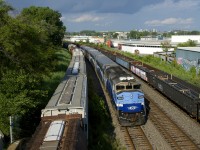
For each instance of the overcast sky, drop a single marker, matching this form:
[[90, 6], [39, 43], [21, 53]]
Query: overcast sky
[[122, 15]]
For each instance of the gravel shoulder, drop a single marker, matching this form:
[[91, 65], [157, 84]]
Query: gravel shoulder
[[187, 124]]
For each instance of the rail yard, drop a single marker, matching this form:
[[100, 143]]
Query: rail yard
[[167, 126]]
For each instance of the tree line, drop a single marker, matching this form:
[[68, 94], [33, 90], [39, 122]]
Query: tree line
[[28, 44], [134, 34]]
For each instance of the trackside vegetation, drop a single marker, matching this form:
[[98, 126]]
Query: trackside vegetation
[[101, 130], [32, 65]]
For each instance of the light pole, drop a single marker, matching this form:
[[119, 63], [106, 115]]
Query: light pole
[[11, 126]]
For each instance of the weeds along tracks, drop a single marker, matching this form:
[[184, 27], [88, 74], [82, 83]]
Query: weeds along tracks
[[175, 137]]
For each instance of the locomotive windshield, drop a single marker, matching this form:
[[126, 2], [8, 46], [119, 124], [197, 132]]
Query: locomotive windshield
[[129, 87], [121, 87]]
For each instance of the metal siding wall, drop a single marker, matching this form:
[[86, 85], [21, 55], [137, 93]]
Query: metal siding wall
[[188, 59], [122, 62]]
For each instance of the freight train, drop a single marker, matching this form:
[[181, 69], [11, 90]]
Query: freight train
[[124, 90], [183, 94], [64, 120]]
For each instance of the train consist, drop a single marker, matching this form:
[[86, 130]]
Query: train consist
[[64, 120], [180, 92], [123, 89]]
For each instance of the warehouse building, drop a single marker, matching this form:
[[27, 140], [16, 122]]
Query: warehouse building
[[185, 38], [144, 47], [188, 57]]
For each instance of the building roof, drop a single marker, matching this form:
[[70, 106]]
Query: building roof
[[143, 42], [73, 136], [70, 95], [194, 49]]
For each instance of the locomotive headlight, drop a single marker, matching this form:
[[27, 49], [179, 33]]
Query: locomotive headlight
[[140, 96], [131, 95], [142, 103]]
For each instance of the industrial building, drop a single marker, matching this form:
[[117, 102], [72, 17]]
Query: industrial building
[[91, 39], [188, 57], [185, 38], [146, 47], [149, 45]]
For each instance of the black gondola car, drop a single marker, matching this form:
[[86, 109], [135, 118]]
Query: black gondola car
[[186, 98]]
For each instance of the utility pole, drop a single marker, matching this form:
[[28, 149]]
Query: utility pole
[[197, 66], [11, 126]]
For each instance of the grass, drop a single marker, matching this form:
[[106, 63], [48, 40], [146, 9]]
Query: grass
[[51, 82], [101, 130]]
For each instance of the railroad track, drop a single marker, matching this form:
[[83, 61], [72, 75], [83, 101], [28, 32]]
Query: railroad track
[[127, 138], [174, 136], [135, 138]]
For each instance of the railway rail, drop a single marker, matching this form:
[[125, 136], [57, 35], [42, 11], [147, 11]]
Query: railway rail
[[139, 138], [175, 137], [127, 138], [136, 138]]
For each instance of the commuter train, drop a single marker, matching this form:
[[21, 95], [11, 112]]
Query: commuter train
[[64, 120], [122, 87], [183, 94]]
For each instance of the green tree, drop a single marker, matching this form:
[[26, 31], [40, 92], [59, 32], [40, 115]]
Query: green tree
[[47, 20], [19, 94], [189, 43], [138, 34], [24, 46], [115, 35], [166, 46], [4, 9], [4, 18], [27, 55], [133, 34]]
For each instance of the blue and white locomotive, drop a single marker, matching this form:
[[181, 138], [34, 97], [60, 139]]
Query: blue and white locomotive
[[123, 88]]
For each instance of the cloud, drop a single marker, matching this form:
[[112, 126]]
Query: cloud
[[170, 21], [109, 6], [63, 18], [106, 24], [87, 18], [186, 4], [176, 5], [124, 14], [82, 6]]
